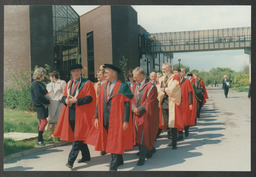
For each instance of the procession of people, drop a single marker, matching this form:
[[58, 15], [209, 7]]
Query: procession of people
[[114, 116]]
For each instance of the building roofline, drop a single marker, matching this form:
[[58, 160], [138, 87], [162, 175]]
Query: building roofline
[[92, 10]]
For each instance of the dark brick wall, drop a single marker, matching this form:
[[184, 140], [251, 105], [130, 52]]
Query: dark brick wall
[[125, 35], [41, 36]]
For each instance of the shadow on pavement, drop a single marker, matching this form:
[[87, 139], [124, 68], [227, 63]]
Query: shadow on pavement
[[18, 168], [32, 156]]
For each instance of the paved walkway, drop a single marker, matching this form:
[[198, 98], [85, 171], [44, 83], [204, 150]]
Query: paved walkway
[[17, 136], [221, 141]]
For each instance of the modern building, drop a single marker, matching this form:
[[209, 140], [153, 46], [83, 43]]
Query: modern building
[[39, 35], [109, 33], [57, 36]]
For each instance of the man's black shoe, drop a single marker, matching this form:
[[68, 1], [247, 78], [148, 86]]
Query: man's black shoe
[[103, 153], [180, 137], [186, 133], [141, 162], [174, 146], [69, 165], [138, 153], [84, 159]]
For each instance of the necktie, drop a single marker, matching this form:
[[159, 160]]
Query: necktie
[[74, 88], [165, 79], [108, 89]]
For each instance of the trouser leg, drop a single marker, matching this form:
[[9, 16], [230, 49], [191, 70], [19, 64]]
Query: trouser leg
[[85, 151], [174, 138], [143, 152], [76, 146], [115, 158], [186, 131]]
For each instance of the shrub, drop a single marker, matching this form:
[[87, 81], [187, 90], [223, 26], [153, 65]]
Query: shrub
[[241, 79], [19, 96]]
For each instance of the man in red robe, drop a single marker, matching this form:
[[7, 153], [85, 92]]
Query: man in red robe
[[76, 117], [187, 102], [200, 94], [192, 81], [205, 91], [112, 130], [145, 115], [169, 96]]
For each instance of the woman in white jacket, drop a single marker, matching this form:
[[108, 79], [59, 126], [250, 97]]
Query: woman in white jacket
[[56, 89]]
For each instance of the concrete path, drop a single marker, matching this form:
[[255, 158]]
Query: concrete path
[[17, 136], [219, 142]]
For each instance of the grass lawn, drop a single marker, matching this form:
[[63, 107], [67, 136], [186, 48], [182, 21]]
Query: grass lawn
[[25, 122]]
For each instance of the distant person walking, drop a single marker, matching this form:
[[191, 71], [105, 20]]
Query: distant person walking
[[226, 85], [38, 93], [56, 89], [249, 93], [215, 83]]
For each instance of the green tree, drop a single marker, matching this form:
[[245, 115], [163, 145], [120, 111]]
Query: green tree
[[123, 65], [194, 71], [182, 66], [246, 70]]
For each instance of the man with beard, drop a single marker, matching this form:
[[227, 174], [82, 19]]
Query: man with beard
[[169, 96]]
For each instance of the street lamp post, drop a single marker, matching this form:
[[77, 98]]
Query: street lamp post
[[179, 62]]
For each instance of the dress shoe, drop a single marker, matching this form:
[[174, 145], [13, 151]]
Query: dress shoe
[[103, 153], [169, 144], [84, 159], [180, 137], [186, 133], [138, 153], [141, 162], [69, 165], [150, 153], [174, 146]]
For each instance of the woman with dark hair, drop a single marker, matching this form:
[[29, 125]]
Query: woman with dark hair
[[39, 99], [56, 88], [131, 81]]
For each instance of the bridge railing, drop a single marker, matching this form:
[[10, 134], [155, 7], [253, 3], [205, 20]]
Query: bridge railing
[[216, 39]]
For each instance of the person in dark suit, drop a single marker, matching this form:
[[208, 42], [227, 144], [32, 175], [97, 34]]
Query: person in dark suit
[[249, 93], [226, 85], [76, 117]]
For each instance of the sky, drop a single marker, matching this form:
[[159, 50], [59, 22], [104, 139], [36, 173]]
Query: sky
[[169, 18]]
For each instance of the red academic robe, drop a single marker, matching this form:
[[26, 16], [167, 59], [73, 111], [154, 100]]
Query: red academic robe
[[84, 115], [145, 126], [193, 114], [205, 92], [186, 87], [116, 140]]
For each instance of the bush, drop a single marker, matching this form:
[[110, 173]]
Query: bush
[[241, 80], [19, 96]]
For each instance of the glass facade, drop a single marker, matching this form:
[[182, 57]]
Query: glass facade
[[90, 56], [66, 39]]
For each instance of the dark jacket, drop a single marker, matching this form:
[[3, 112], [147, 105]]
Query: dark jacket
[[38, 91]]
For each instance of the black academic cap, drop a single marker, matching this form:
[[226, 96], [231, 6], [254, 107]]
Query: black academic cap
[[112, 67], [75, 66]]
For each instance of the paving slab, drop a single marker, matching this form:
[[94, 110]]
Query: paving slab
[[17, 136]]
